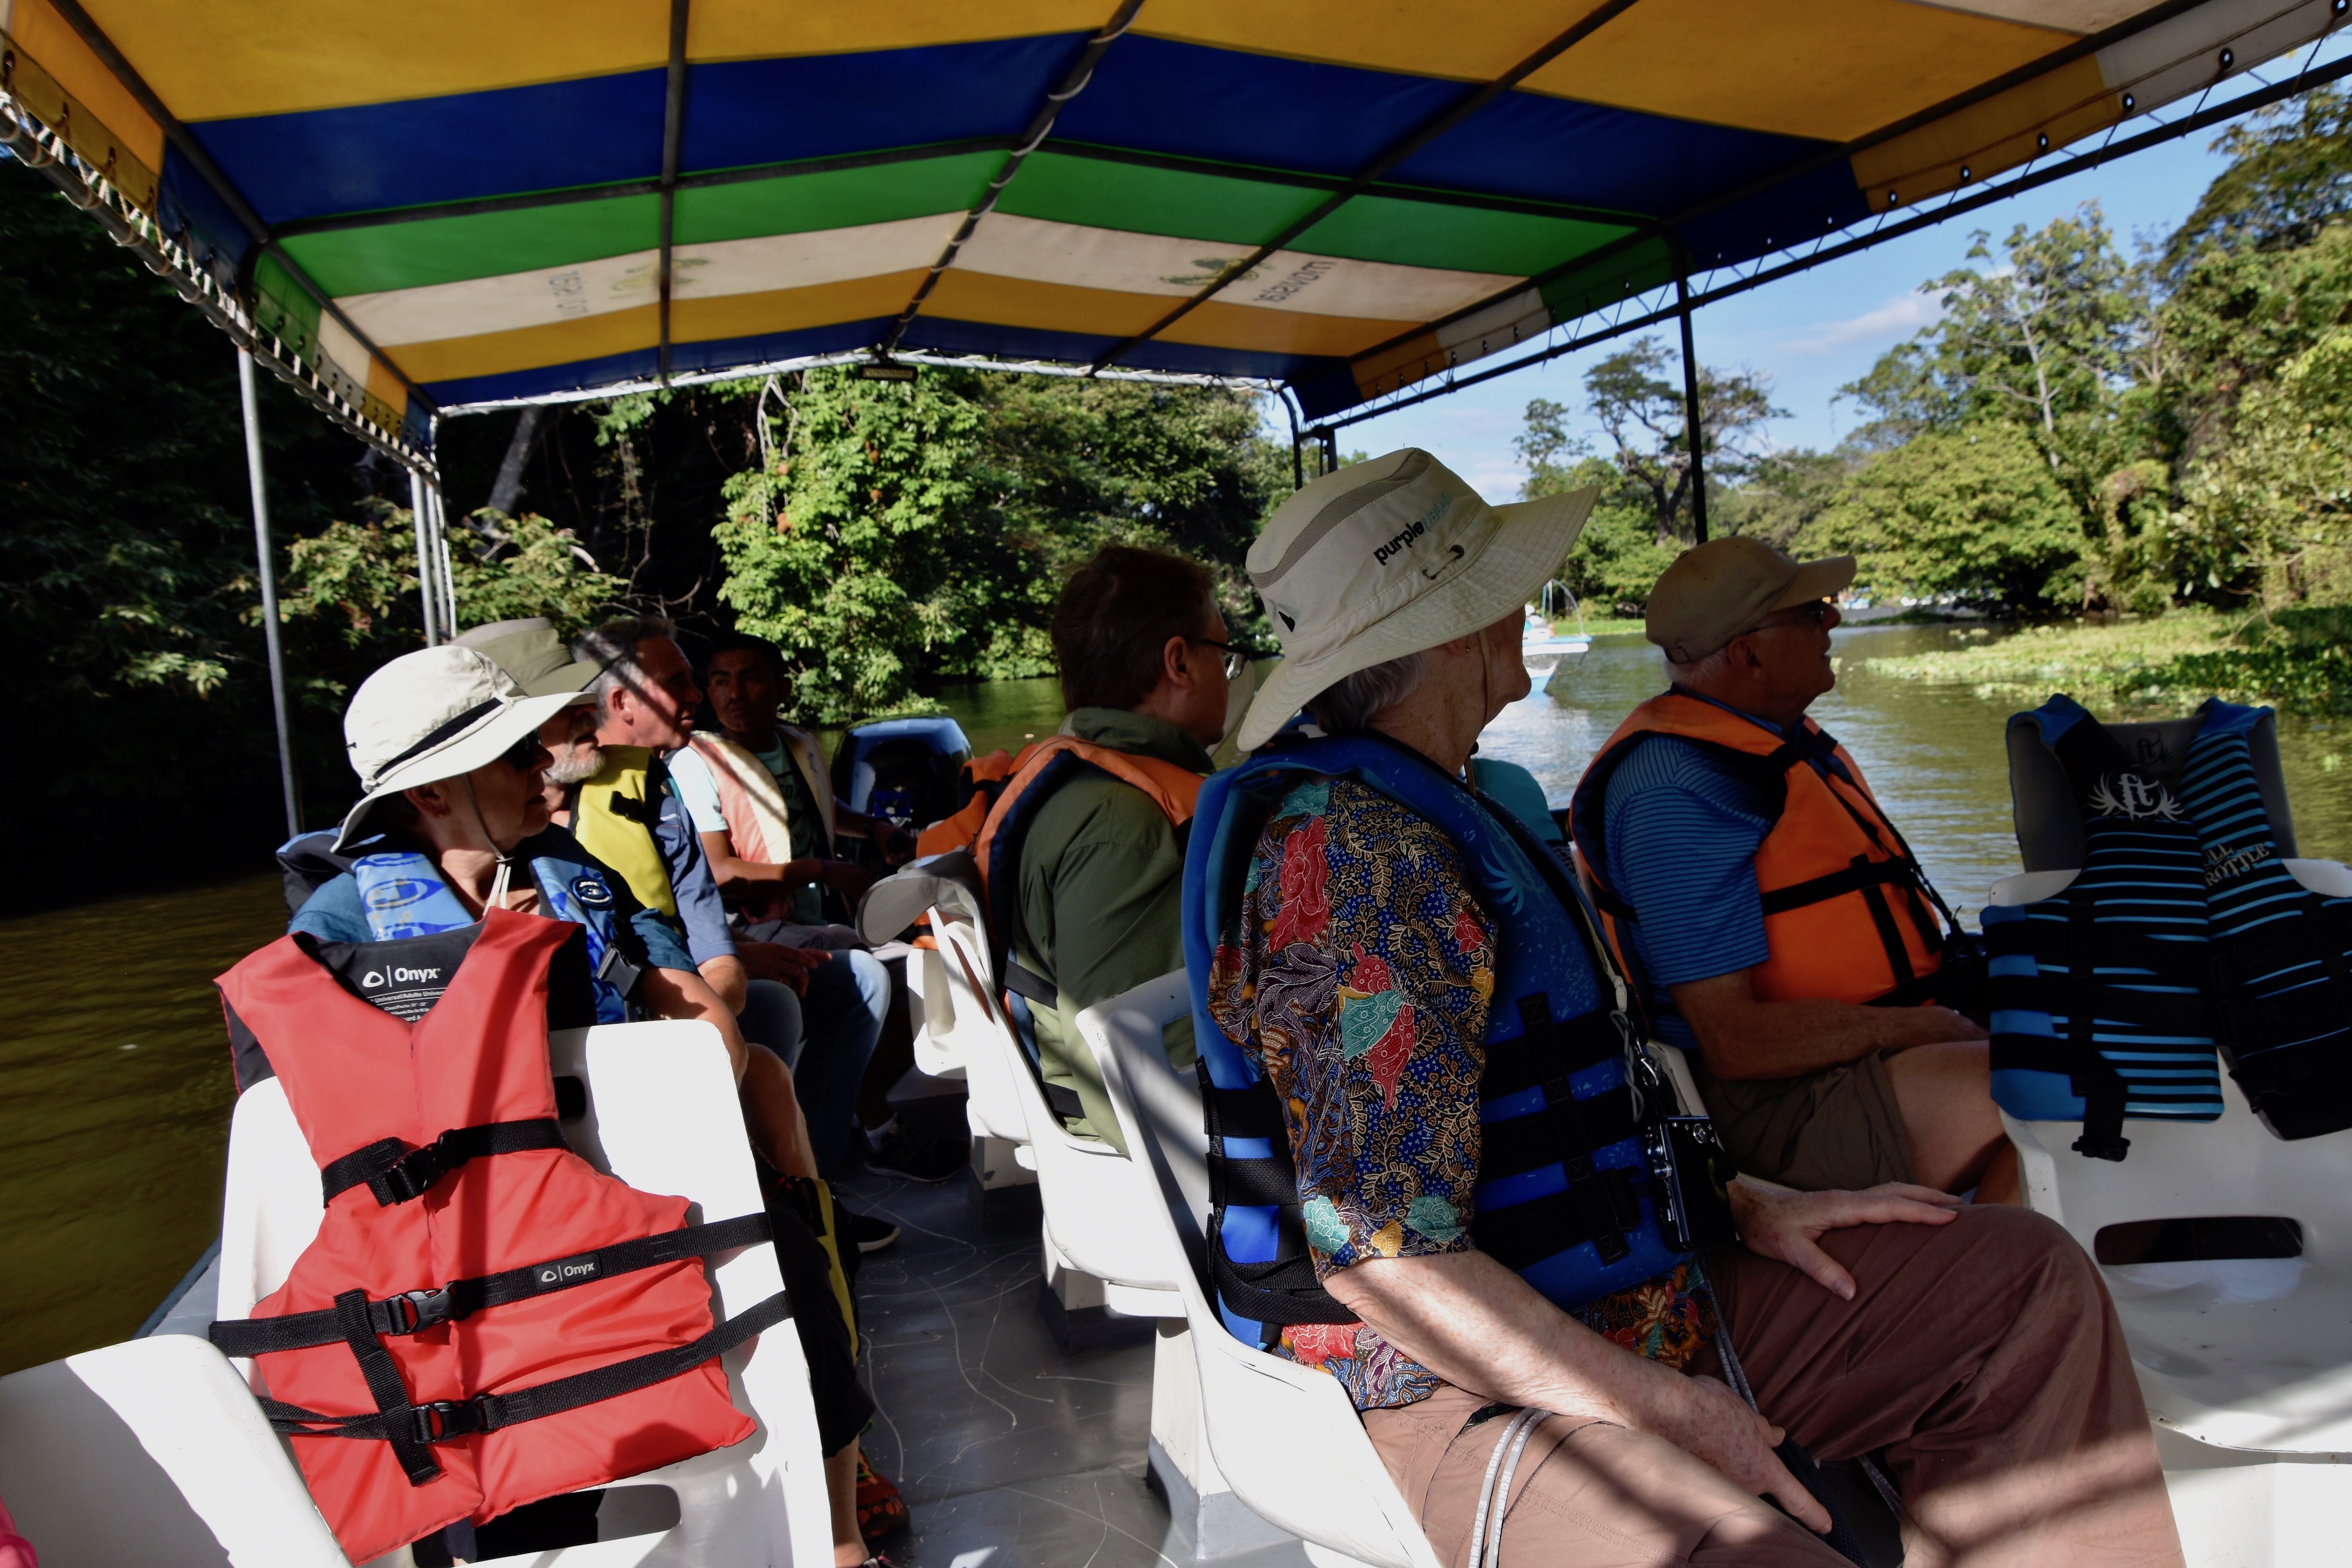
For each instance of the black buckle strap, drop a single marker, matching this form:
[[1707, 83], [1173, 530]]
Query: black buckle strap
[[2094, 1077], [1024, 981], [1599, 1207], [413, 1312], [412, 1428], [1544, 1050], [1861, 871], [396, 1172]]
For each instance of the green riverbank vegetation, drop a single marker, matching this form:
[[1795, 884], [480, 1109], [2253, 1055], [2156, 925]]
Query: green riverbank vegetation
[[2163, 437], [2295, 658]]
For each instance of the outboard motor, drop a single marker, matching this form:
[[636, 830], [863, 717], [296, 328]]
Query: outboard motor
[[904, 769]]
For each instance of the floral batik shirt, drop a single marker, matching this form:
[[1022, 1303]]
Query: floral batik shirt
[[1357, 972]]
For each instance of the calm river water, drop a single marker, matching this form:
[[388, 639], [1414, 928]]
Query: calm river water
[[114, 1083]]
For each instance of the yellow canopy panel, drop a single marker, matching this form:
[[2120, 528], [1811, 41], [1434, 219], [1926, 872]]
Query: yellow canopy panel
[[444, 203]]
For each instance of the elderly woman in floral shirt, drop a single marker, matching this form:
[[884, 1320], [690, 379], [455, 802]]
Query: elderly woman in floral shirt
[[1973, 1349]]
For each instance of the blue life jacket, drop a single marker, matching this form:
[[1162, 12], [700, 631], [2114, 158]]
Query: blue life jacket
[[2280, 949], [1565, 1195], [2182, 931], [405, 895]]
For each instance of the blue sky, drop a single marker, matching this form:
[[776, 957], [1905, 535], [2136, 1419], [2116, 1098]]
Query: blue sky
[[1808, 334]]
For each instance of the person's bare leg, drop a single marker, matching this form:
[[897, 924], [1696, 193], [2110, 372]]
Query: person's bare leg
[[1945, 1093], [841, 1492], [772, 1113]]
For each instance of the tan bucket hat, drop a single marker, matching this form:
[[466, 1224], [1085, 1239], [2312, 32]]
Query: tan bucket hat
[[436, 714], [1389, 557], [1716, 591]]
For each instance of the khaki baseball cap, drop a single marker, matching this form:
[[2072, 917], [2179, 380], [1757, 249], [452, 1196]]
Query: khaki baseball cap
[[530, 651], [1386, 557], [1720, 589]]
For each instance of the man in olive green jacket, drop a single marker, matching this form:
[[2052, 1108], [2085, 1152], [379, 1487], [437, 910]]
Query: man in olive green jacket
[[1143, 657]]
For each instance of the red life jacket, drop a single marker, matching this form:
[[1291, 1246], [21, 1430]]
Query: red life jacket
[[483, 1320]]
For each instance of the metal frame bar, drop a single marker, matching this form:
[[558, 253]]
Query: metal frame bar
[[861, 356], [1694, 416], [1413, 141], [265, 557], [40, 148], [1074, 82], [201, 161], [1766, 271], [673, 133]]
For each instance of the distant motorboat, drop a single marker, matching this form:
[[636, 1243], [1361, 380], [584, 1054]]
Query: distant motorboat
[[1544, 647]]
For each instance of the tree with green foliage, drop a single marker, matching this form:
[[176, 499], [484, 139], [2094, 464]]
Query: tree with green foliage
[[1973, 510], [2279, 495], [1644, 415], [2039, 336], [2290, 176], [903, 533]]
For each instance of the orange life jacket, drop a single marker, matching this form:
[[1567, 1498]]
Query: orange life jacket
[[1044, 768], [980, 785], [483, 1319], [1845, 904]]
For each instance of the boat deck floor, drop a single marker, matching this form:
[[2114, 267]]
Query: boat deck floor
[[1011, 1448]]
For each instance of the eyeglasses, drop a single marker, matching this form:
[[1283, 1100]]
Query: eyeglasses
[[1813, 615], [1237, 654]]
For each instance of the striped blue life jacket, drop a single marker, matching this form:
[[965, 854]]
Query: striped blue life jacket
[[2183, 932], [404, 895], [1565, 1194], [2280, 950]]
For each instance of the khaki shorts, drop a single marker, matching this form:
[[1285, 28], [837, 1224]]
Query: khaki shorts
[[1836, 1128]]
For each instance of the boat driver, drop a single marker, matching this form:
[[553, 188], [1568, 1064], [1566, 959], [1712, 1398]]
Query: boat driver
[[1974, 1349], [1786, 939]]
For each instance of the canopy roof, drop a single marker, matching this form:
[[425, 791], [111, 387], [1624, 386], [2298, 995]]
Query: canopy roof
[[439, 204]]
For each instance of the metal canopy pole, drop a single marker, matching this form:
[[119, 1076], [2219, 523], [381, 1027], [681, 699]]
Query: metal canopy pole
[[1693, 424], [420, 512], [268, 588]]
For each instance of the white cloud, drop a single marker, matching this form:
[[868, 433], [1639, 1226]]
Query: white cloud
[[1899, 316]]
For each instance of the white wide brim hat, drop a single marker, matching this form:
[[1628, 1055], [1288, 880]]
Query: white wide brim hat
[[1392, 556], [438, 713]]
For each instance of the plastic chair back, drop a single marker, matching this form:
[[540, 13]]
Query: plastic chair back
[[656, 1094], [2042, 798], [1286, 1437], [976, 1029], [1089, 1190], [152, 1453]]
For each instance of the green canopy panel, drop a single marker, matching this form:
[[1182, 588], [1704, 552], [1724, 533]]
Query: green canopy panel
[[442, 204]]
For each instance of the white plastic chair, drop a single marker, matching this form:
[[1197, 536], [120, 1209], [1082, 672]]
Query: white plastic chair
[[661, 1104], [1091, 1192], [2246, 1362], [152, 1453], [1285, 1437], [966, 1023]]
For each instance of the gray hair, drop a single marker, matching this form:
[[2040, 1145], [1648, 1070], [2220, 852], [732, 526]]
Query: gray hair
[[612, 649], [1349, 706], [1701, 672]]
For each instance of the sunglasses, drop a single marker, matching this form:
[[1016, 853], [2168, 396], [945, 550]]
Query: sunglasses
[[1237, 654], [523, 755], [1813, 615]]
